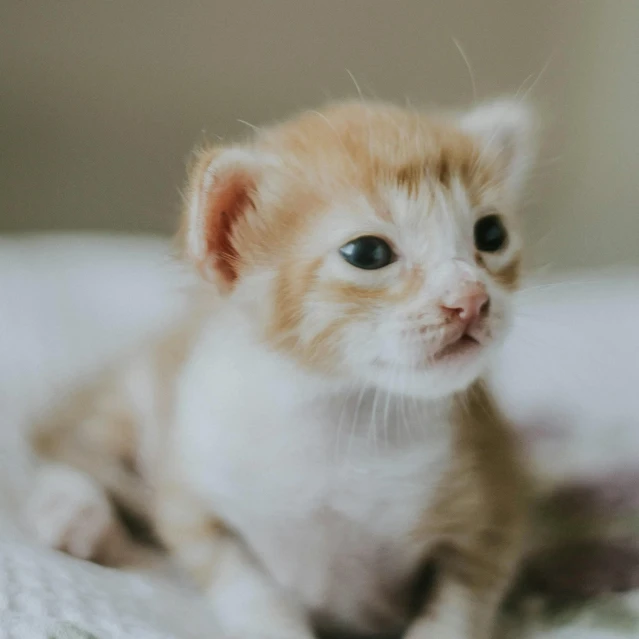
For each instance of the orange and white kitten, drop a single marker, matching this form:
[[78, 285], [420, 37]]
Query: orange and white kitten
[[317, 444]]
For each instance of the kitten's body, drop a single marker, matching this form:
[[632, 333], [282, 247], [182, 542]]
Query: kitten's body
[[305, 454], [345, 501], [317, 495]]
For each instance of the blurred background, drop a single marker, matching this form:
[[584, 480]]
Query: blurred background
[[101, 101]]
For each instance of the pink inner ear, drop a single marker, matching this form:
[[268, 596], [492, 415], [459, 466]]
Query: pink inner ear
[[225, 203]]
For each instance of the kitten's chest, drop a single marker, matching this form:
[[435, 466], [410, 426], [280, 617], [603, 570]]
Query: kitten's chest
[[330, 507], [349, 550]]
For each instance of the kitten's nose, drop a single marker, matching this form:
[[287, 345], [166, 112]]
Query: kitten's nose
[[468, 303]]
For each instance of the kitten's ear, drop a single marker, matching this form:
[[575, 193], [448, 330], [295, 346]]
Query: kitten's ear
[[223, 189], [506, 130]]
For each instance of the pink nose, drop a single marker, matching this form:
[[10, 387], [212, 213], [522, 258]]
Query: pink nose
[[468, 304]]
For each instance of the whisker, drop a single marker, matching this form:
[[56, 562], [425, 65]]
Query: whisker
[[340, 424], [253, 127], [373, 421], [368, 113], [338, 136], [468, 67], [386, 410], [561, 284], [554, 348], [518, 99], [539, 76], [406, 419], [354, 422], [357, 87]]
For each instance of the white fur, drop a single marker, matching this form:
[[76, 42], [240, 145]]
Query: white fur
[[67, 510], [435, 237], [507, 130], [241, 586], [431, 233], [302, 469]]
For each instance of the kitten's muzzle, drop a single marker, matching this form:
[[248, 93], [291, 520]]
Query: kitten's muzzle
[[465, 322], [469, 304]]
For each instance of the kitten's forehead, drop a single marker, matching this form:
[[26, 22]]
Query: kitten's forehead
[[365, 145], [402, 174], [432, 221]]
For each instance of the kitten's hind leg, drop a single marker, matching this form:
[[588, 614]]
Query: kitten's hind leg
[[246, 600], [69, 511]]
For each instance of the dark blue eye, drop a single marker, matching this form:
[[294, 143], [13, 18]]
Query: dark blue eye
[[490, 234], [368, 252]]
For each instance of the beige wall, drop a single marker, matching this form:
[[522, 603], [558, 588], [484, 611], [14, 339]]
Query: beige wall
[[101, 101]]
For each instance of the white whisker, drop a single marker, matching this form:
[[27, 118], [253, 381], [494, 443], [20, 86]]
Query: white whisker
[[255, 128], [354, 422], [343, 414], [468, 67], [373, 421], [389, 394], [357, 87]]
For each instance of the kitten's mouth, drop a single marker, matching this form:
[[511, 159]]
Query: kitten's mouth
[[460, 347], [457, 349]]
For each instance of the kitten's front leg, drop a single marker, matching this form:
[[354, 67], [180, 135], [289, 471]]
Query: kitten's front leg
[[246, 601], [468, 590], [457, 612]]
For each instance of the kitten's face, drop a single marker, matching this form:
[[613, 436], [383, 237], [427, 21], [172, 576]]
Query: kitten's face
[[374, 245]]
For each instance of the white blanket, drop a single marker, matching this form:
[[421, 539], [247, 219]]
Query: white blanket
[[68, 304]]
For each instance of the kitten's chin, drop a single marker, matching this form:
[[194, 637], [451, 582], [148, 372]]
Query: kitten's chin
[[451, 371]]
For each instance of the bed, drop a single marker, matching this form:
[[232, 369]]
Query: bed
[[70, 303]]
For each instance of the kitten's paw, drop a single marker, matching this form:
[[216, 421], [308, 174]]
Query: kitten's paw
[[68, 511]]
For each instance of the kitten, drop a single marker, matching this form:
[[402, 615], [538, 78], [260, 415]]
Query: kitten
[[317, 446]]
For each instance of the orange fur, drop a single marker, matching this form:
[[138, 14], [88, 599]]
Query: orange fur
[[325, 157], [508, 276]]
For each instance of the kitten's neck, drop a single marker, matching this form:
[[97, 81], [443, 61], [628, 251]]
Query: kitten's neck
[[232, 330]]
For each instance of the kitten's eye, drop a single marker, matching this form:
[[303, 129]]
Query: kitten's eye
[[368, 252], [490, 234]]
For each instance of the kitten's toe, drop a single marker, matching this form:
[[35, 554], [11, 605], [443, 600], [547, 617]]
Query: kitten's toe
[[68, 511]]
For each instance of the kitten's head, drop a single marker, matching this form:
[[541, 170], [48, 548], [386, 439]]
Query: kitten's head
[[370, 243]]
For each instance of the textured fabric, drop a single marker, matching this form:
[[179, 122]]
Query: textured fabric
[[69, 304], [42, 592], [45, 593]]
